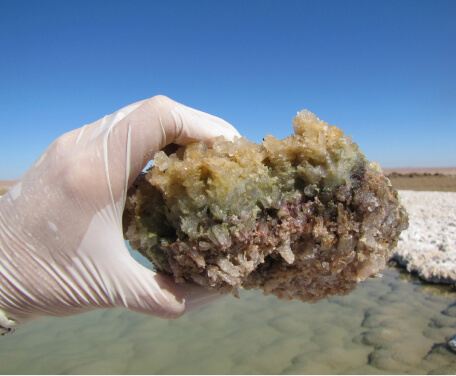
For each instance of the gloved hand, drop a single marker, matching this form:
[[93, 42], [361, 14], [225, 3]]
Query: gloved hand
[[61, 246]]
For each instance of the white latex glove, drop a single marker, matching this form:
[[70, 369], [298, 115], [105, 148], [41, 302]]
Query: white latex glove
[[61, 246]]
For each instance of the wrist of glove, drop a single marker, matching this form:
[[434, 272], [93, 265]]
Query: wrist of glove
[[61, 246]]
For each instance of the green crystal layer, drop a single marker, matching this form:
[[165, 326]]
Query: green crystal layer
[[304, 217]]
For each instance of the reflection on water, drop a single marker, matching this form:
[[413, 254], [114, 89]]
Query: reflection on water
[[448, 290], [385, 326]]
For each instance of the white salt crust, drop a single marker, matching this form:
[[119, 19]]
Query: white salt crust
[[428, 247]]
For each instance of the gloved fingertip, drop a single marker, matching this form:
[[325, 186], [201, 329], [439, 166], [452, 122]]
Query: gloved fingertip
[[197, 297], [142, 290], [157, 294]]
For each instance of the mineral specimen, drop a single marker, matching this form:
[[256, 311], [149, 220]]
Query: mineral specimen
[[305, 217]]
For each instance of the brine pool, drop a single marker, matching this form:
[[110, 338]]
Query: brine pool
[[388, 325]]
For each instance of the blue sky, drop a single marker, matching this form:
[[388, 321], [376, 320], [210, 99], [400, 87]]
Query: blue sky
[[383, 71]]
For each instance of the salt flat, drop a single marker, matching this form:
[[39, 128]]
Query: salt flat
[[428, 247]]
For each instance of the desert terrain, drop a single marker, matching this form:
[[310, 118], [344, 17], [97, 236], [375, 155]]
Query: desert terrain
[[420, 179]]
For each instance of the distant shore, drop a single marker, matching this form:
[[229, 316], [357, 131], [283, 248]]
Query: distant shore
[[430, 182], [421, 170], [7, 183]]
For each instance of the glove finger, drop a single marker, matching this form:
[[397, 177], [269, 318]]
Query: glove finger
[[118, 147], [159, 121], [197, 297], [142, 290]]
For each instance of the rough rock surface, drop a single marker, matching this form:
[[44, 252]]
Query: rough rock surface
[[305, 217], [428, 247]]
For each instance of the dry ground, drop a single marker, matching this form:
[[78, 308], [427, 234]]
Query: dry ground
[[441, 179], [423, 182]]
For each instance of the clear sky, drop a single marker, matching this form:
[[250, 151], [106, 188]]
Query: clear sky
[[383, 71]]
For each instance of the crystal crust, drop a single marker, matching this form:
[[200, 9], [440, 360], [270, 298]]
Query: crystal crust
[[305, 217]]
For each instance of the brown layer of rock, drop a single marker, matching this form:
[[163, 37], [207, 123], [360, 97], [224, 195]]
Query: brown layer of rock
[[306, 217]]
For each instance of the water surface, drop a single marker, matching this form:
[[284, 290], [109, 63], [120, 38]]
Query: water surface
[[387, 325]]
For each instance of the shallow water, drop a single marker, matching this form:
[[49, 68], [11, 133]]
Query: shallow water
[[388, 325]]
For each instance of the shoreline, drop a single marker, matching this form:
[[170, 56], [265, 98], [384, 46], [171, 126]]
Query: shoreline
[[420, 170]]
